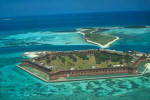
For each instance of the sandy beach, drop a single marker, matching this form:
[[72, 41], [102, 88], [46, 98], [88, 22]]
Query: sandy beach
[[34, 54], [102, 46], [31, 54]]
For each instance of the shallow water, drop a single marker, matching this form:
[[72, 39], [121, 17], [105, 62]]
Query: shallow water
[[42, 37], [131, 39], [15, 84]]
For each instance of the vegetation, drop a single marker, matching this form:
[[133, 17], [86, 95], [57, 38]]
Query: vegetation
[[80, 61], [83, 56], [102, 57], [100, 38], [91, 34]]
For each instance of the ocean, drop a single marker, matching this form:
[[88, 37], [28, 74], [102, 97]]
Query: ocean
[[75, 20], [57, 33]]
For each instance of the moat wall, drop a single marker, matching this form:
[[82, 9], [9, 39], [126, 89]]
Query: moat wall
[[73, 73], [100, 71], [132, 69]]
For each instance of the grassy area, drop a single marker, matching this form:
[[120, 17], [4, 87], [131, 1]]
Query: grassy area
[[80, 61], [37, 72], [102, 39]]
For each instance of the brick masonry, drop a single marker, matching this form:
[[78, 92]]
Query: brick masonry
[[101, 71]]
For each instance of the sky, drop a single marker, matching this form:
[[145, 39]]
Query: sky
[[11, 8]]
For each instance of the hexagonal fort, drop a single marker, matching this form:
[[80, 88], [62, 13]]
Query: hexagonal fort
[[50, 65]]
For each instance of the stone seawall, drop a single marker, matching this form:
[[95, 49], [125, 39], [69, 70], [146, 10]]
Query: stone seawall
[[100, 71], [131, 69], [73, 73]]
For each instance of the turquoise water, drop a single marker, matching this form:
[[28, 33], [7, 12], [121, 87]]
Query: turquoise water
[[131, 39], [15, 84], [42, 37]]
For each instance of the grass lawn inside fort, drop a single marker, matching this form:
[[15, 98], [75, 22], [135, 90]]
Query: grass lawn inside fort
[[80, 61]]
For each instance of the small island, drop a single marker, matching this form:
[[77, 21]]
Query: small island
[[54, 66], [102, 40]]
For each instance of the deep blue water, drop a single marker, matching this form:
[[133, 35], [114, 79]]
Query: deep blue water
[[76, 20], [18, 35]]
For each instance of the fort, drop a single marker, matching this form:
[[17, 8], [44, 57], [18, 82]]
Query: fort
[[52, 66]]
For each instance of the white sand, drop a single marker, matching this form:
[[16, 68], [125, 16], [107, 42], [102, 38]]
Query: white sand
[[31, 54], [102, 46]]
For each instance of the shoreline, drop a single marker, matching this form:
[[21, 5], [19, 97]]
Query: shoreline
[[33, 54], [31, 73], [71, 80], [102, 46]]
